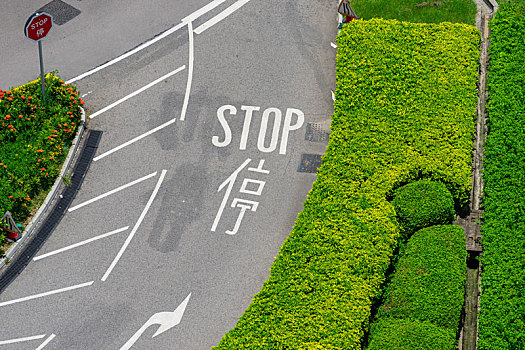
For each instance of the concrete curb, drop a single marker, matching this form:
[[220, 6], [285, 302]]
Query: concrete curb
[[30, 228]]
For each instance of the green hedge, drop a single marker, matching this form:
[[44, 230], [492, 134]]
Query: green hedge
[[399, 334], [429, 281], [422, 204], [33, 140], [502, 313], [405, 109]]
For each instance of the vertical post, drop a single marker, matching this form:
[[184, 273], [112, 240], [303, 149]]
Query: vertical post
[[42, 71]]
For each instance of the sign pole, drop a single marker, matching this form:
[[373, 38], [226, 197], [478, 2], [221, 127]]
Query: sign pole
[[42, 71], [36, 28]]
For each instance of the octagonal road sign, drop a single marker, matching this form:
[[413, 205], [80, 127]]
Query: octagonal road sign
[[38, 25]]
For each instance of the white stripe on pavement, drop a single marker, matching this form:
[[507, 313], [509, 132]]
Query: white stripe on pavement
[[19, 300], [135, 228], [168, 32], [135, 93], [19, 340], [46, 342], [221, 16], [80, 243], [112, 192]]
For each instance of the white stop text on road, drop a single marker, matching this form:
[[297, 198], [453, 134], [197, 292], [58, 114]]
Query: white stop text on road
[[293, 120]]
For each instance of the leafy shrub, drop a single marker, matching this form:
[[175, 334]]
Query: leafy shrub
[[33, 140], [422, 204], [429, 282], [502, 304], [400, 334], [405, 108]]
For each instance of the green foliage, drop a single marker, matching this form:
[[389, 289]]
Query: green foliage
[[406, 101], [33, 140], [502, 314], [456, 11], [399, 334], [429, 282], [422, 204]]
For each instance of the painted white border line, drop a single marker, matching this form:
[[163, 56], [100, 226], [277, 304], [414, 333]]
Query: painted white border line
[[51, 337], [135, 93], [112, 192], [135, 228], [162, 126], [168, 32], [221, 16], [20, 340], [80, 243], [190, 71], [19, 300]]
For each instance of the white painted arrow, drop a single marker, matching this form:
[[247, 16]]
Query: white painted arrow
[[166, 320]]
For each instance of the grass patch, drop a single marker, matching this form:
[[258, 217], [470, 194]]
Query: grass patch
[[418, 11]]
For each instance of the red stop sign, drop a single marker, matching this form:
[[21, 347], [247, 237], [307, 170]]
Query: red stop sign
[[38, 25]]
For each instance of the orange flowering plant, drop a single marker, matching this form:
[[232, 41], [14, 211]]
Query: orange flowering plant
[[34, 138]]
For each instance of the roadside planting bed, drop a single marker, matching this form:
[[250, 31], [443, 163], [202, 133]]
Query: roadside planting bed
[[33, 141], [502, 304], [405, 109], [455, 11]]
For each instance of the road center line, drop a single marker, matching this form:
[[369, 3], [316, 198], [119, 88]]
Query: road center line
[[168, 32], [46, 294], [135, 93], [112, 192], [136, 227], [162, 126], [80, 243], [19, 340], [214, 20], [46, 342]]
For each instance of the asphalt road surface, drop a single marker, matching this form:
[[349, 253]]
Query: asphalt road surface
[[211, 135]]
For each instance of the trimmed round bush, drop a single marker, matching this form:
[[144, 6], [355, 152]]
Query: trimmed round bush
[[422, 204], [395, 334], [429, 281]]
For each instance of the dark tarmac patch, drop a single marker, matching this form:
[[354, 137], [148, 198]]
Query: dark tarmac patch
[[61, 12]]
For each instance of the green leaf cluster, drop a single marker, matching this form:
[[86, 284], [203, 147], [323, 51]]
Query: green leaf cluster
[[422, 204], [428, 285], [405, 109], [33, 140], [405, 334], [502, 304]]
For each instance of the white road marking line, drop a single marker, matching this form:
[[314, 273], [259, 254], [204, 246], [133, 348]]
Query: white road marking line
[[221, 16], [46, 342], [135, 93], [333, 45], [190, 71], [80, 243], [135, 228], [168, 32], [333, 95], [162, 126], [46, 294], [19, 340], [127, 54], [112, 192], [202, 11]]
